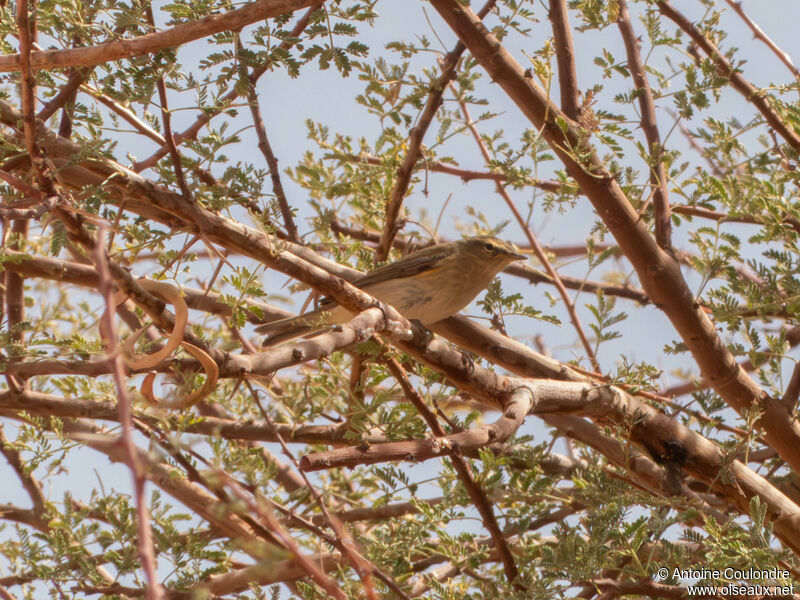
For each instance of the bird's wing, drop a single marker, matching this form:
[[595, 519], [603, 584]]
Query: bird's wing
[[427, 259]]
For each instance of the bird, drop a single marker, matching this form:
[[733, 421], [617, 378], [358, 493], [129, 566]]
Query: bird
[[428, 285]]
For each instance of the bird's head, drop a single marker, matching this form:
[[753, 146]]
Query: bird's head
[[491, 251]]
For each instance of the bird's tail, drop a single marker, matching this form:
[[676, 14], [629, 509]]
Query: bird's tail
[[291, 327]]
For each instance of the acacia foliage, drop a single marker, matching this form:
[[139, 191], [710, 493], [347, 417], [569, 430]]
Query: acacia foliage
[[655, 161]]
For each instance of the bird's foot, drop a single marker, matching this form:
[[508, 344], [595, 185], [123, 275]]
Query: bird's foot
[[467, 358], [421, 334]]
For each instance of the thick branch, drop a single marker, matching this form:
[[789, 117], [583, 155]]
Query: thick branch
[[658, 271]]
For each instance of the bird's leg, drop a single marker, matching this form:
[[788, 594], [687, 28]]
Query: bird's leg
[[468, 359], [394, 327], [421, 333]]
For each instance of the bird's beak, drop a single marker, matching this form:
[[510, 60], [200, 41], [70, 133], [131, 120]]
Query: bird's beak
[[517, 256]]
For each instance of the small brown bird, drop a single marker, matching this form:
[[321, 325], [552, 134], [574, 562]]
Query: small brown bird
[[429, 285]]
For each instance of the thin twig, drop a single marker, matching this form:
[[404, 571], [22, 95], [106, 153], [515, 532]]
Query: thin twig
[[31, 484], [715, 215], [753, 95], [146, 548], [462, 467], [759, 34], [792, 392], [466, 175], [649, 123], [65, 94], [128, 115], [191, 132], [166, 120], [363, 567], [403, 177], [535, 246], [266, 149], [792, 339]]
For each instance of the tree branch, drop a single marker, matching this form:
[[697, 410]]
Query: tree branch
[[466, 175], [657, 270], [759, 34], [266, 150], [153, 42], [649, 123], [754, 96], [190, 133], [565, 57], [146, 548], [415, 137], [462, 467]]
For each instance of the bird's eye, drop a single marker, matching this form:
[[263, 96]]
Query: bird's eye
[[488, 246]]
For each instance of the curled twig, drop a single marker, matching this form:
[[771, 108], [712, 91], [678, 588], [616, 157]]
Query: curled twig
[[170, 293], [210, 384]]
